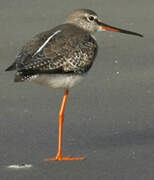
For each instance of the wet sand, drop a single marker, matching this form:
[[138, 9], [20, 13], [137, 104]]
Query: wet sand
[[110, 116]]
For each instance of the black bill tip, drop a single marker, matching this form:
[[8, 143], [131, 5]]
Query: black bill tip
[[107, 27]]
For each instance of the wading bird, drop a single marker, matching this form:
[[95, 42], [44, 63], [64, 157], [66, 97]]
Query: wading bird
[[60, 58]]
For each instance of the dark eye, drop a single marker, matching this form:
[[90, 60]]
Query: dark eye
[[91, 18]]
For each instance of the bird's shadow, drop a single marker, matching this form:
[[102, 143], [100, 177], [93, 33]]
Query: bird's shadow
[[124, 139]]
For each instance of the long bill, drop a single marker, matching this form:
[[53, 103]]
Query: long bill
[[106, 27]]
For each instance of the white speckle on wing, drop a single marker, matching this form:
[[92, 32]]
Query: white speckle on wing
[[22, 166], [31, 78], [46, 42]]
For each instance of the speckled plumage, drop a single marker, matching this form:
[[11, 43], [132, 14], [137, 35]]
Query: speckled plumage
[[70, 51]]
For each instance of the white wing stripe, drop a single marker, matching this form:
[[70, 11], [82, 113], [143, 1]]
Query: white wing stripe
[[46, 42]]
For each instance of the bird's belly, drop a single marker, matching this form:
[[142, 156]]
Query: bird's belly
[[58, 81]]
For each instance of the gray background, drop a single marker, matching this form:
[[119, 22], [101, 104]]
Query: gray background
[[109, 117]]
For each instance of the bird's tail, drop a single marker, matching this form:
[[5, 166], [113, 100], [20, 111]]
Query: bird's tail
[[12, 67]]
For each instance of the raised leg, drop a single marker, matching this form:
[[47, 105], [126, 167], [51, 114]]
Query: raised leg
[[59, 156]]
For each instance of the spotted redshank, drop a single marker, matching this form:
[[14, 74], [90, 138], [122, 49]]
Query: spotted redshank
[[60, 57]]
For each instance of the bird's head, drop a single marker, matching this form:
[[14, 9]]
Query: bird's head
[[89, 21]]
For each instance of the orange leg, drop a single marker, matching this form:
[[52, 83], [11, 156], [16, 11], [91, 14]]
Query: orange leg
[[59, 156]]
